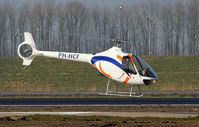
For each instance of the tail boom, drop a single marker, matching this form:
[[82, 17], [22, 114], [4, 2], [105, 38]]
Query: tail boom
[[66, 55], [27, 51]]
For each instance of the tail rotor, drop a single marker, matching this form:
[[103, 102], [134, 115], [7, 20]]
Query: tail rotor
[[26, 49]]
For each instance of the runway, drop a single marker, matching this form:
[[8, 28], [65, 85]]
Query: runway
[[97, 101]]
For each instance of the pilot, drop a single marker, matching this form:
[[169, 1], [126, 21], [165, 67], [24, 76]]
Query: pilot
[[144, 72]]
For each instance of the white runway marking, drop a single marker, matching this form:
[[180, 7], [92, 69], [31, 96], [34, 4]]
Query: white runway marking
[[43, 113]]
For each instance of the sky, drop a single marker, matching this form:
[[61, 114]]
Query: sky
[[100, 3]]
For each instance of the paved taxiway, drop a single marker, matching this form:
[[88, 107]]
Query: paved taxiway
[[99, 101]]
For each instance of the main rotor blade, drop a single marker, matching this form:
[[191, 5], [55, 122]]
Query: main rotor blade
[[95, 37], [78, 35]]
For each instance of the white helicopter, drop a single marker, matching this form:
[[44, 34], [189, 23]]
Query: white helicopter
[[112, 63]]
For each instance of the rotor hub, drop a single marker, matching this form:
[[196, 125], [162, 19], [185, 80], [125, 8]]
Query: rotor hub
[[26, 50]]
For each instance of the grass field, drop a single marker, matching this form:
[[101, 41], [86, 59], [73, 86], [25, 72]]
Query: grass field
[[44, 74], [96, 121]]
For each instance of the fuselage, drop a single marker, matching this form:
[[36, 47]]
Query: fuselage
[[110, 63]]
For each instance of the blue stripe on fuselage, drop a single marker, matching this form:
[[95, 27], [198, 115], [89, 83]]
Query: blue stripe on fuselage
[[108, 59]]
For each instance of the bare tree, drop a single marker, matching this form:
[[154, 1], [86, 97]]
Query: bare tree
[[61, 25], [134, 30], [193, 26], [3, 30], [37, 19], [106, 20], [75, 19], [97, 25], [147, 22], [12, 27], [153, 14], [124, 19], [167, 20], [171, 28], [143, 26], [179, 27], [49, 20]]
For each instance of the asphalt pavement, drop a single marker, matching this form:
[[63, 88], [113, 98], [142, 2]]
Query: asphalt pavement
[[97, 101]]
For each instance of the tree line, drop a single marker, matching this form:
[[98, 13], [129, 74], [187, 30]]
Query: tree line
[[150, 28]]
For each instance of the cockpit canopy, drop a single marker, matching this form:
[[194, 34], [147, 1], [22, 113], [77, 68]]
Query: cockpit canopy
[[143, 68], [136, 65]]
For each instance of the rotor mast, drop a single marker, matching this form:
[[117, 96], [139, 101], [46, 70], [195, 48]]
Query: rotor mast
[[117, 43]]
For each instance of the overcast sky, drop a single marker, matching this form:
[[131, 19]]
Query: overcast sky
[[101, 3]]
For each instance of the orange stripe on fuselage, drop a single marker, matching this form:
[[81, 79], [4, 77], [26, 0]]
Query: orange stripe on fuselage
[[126, 80], [103, 71], [95, 66], [131, 58], [121, 76], [119, 57]]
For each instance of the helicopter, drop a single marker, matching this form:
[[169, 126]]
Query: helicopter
[[113, 63]]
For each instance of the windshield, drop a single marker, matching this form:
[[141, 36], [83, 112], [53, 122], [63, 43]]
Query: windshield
[[143, 68]]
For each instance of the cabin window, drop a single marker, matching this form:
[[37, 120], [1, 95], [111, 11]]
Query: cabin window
[[127, 65]]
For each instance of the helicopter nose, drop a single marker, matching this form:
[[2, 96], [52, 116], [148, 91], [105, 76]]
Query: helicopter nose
[[150, 81]]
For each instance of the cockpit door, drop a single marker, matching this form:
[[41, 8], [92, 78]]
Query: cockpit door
[[128, 64]]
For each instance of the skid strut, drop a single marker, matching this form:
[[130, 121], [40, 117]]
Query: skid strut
[[116, 93], [131, 91], [107, 88]]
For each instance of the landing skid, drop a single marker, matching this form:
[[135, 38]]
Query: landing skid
[[127, 94], [121, 95]]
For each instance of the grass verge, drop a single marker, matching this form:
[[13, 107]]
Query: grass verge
[[45, 74]]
